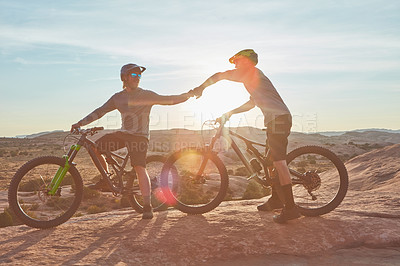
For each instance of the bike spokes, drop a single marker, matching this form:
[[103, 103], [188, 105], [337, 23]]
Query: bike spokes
[[319, 179], [201, 182], [31, 198]]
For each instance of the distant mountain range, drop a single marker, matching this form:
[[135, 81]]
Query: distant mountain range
[[324, 133], [31, 136], [338, 133]]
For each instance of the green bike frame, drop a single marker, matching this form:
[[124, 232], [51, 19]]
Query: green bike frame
[[62, 171]]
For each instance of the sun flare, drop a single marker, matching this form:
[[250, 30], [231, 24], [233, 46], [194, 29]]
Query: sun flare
[[221, 98]]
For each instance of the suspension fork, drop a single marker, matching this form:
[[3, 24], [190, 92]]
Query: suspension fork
[[204, 162], [63, 170], [208, 149]]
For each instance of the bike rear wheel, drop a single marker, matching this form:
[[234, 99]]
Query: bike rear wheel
[[324, 183], [29, 198], [194, 181], [154, 164]]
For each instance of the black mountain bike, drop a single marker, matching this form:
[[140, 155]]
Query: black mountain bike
[[47, 191], [200, 178]]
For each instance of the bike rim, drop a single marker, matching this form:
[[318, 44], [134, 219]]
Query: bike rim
[[322, 182], [197, 181], [33, 198]]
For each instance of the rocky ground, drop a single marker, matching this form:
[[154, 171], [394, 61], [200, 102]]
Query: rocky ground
[[363, 230], [233, 234]]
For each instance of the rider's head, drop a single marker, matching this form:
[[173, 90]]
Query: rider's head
[[244, 58], [130, 75]]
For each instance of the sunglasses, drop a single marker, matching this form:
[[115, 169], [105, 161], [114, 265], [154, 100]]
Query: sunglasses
[[134, 75], [236, 59]]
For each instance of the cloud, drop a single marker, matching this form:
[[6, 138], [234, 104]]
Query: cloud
[[170, 33], [21, 61]]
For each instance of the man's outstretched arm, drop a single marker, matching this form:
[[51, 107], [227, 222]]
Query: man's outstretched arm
[[170, 99], [210, 81]]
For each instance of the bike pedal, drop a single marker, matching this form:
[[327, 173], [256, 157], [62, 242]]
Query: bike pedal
[[252, 176]]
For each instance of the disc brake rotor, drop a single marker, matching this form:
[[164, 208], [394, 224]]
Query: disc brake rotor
[[43, 194], [312, 181]]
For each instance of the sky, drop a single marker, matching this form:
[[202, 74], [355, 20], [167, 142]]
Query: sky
[[336, 63]]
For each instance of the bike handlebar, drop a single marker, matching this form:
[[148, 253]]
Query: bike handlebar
[[90, 131]]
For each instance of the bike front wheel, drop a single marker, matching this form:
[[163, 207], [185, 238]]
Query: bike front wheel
[[29, 196], [319, 178], [194, 181]]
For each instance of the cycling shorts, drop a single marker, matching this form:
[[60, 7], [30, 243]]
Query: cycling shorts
[[137, 146], [278, 131]]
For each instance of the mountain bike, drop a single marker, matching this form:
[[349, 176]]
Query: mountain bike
[[319, 177], [47, 191]]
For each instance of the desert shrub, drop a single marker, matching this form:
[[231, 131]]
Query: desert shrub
[[302, 164], [27, 209], [229, 194], [231, 155], [89, 193], [96, 178], [30, 185], [34, 206], [34, 184], [191, 192], [5, 219], [58, 202], [92, 209], [230, 172], [301, 169], [255, 191], [13, 153], [23, 153], [330, 144], [15, 219], [364, 146], [3, 153], [241, 171], [124, 202]]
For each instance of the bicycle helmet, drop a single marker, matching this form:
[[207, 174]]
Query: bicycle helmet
[[130, 68], [249, 53]]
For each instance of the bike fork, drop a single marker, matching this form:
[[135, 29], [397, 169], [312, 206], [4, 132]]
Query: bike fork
[[58, 177], [63, 170]]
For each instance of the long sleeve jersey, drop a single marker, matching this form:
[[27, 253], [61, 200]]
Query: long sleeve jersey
[[135, 109]]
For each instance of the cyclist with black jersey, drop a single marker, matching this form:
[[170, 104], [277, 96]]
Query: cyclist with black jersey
[[277, 119]]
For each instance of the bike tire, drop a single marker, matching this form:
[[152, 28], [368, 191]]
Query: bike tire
[[330, 179], [189, 194], [29, 201], [154, 164]]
